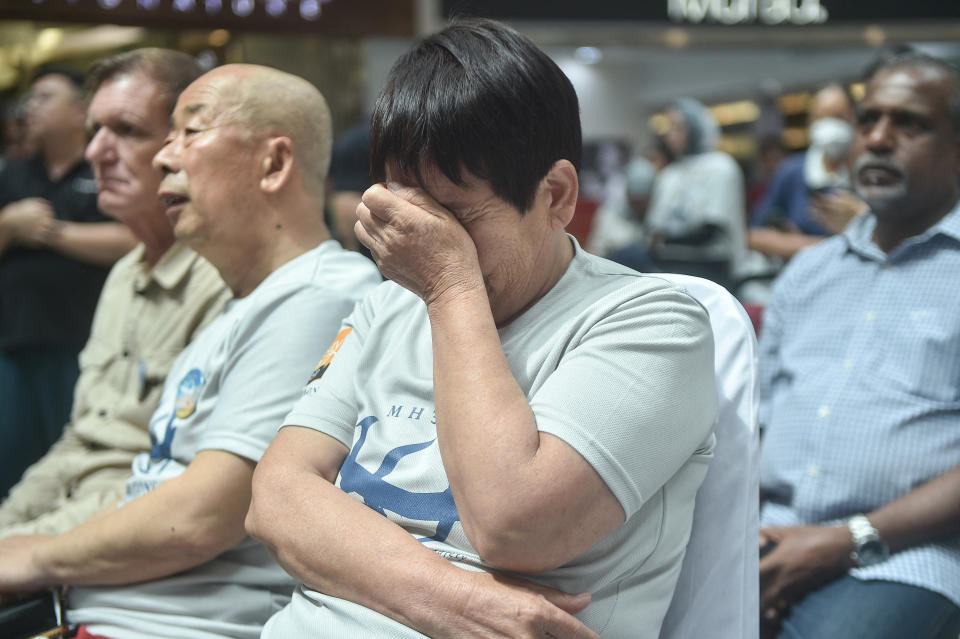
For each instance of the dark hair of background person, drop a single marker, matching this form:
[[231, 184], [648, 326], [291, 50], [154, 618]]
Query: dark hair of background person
[[909, 57], [72, 74], [174, 70], [481, 98]]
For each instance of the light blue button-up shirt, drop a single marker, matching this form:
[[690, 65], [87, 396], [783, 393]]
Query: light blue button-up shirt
[[860, 386]]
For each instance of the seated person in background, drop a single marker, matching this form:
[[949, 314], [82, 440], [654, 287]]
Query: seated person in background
[[860, 374], [810, 195], [154, 302], [696, 215], [56, 249], [508, 404], [349, 178], [618, 232], [243, 186]]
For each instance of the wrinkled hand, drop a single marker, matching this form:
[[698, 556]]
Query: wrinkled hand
[[19, 571], [805, 558], [31, 221], [416, 242], [833, 210], [500, 607]]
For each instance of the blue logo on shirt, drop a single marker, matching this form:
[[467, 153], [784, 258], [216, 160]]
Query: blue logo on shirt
[[185, 404], [381, 495]]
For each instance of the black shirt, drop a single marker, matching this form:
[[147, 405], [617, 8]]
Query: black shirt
[[47, 298]]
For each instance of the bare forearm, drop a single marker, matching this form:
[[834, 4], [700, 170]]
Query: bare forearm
[[101, 243], [779, 243], [489, 454], [182, 523], [480, 447], [340, 547], [930, 511]]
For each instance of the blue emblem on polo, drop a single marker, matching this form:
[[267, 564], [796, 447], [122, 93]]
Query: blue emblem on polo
[[185, 404], [381, 495]]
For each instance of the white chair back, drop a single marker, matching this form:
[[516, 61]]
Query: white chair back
[[717, 595]]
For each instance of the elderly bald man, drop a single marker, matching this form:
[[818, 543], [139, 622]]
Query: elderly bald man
[[243, 187]]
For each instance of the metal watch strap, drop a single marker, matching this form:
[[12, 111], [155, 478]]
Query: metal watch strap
[[862, 532]]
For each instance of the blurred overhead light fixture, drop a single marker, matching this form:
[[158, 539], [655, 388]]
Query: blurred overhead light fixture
[[676, 38], [310, 9], [206, 60], [218, 37], [49, 39], [588, 55], [794, 103], [874, 35], [659, 123], [739, 112], [242, 8], [276, 8]]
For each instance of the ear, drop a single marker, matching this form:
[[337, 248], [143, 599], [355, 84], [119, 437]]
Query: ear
[[561, 187], [277, 164]]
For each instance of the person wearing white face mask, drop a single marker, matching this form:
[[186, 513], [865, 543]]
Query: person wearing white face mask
[[810, 195], [825, 162]]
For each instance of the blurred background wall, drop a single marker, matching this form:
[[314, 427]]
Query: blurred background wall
[[754, 62]]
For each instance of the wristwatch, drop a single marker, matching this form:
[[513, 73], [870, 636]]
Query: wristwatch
[[868, 547]]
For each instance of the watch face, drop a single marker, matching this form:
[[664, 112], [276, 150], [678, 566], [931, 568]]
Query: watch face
[[872, 552]]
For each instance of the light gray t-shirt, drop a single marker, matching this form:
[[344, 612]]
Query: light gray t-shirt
[[617, 364], [228, 391]]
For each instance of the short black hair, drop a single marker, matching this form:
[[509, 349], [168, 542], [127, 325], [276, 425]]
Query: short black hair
[[914, 58], [73, 75], [477, 97]]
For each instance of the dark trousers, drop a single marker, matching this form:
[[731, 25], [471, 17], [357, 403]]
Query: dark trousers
[[849, 608], [36, 393]]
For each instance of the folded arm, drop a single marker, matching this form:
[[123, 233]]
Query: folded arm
[[32, 222], [338, 546], [183, 523], [100, 243]]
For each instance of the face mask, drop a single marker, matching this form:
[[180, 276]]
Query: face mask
[[832, 136]]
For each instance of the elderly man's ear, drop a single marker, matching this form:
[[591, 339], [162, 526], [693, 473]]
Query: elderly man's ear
[[277, 164], [562, 186]]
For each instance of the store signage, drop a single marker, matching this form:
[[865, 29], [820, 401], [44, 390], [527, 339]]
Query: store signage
[[796, 12], [341, 17]]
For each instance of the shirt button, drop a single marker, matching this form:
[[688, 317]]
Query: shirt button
[[126, 353], [847, 364], [812, 471], [823, 412], [102, 412], [869, 316]]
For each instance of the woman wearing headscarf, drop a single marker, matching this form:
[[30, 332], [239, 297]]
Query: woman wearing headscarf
[[696, 214]]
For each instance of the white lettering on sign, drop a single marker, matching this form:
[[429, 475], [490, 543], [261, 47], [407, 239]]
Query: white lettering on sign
[[798, 12]]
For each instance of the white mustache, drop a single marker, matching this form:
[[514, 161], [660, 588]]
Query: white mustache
[[868, 160], [173, 182]]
